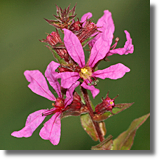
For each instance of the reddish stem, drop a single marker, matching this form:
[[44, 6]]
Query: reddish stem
[[96, 124]]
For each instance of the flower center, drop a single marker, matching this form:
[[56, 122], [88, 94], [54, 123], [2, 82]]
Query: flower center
[[85, 73], [58, 107], [111, 103], [59, 103], [84, 70]]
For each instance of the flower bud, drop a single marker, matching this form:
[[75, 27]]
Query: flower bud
[[62, 69], [88, 30], [76, 26], [53, 39], [76, 108], [76, 103], [107, 104]]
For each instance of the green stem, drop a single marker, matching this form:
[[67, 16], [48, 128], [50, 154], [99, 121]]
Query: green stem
[[96, 124]]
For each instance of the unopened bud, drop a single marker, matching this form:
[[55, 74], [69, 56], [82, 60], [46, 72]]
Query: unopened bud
[[107, 104], [76, 26], [62, 69], [88, 30], [52, 39]]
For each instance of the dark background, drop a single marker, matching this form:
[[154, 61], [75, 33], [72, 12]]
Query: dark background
[[21, 27]]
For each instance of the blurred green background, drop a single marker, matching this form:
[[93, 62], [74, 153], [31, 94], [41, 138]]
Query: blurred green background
[[22, 26]]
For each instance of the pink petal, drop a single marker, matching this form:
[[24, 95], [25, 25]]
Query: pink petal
[[69, 93], [98, 51], [38, 84], [51, 77], [74, 47], [128, 47], [32, 122], [113, 72], [52, 129], [68, 78], [106, 23], [93, 90], [85, 17], [103, 40]]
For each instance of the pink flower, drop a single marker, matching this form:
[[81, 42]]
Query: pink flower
[[52, 128], [86, 71], [106, 26]]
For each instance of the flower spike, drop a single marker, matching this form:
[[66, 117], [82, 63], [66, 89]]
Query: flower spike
[[74, 71], [64, 17]]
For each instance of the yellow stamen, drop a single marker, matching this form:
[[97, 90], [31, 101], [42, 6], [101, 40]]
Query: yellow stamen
[[111, 103], [84, 70], [86, 73]]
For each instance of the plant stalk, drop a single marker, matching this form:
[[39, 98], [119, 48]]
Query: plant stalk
[[96, 124]]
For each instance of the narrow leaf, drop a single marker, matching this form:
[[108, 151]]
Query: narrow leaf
[[87, 41], [105, 145], [88, 126], [125, 140], [118, 108], [56, 56]]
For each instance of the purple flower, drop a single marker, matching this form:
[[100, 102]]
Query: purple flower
[[86, 71], [106, 27], [52, 128]]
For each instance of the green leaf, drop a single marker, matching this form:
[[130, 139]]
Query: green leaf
[[118, 108], [125, 140], [87, 41], [105, 145], [88, 126], [56, 56]]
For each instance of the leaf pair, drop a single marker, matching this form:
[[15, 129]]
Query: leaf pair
[[125, 140]]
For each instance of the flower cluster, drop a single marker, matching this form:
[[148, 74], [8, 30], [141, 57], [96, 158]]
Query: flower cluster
[[73, 70]]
